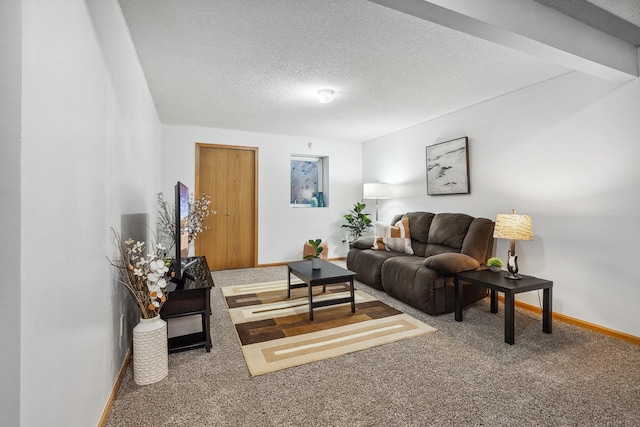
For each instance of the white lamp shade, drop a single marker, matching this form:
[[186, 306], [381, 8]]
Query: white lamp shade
[[513, 226], [376, 190]]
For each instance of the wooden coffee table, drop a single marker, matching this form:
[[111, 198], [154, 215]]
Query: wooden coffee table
[[496, 282], [328, 274]]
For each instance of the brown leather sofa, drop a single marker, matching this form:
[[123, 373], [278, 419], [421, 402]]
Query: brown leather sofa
[[443, 244]]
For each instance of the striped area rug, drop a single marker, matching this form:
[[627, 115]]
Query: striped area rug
[[276, 333]]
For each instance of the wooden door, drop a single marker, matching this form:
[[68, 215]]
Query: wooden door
[[229, 175]]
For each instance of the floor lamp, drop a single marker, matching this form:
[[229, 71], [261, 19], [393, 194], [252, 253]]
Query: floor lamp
[[376, 190]]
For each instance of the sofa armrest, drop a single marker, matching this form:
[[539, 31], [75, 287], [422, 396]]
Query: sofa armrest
[[362, 243], [451, 263]]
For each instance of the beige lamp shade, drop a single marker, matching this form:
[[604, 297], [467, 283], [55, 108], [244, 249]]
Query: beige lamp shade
[[376, 190], [513, 226]]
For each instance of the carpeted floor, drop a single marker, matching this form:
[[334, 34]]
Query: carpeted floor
[[462, 375]]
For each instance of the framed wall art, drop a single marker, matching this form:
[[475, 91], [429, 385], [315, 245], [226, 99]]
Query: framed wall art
[[309, 181], [448, 167]]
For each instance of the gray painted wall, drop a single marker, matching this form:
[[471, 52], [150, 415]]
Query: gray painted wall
[[10, 248], [90, 144], [563, 151]]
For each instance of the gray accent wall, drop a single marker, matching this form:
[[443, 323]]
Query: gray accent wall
[[10, 204]]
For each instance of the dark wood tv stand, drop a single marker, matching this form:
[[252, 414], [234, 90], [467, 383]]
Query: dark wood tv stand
[[191, 296]]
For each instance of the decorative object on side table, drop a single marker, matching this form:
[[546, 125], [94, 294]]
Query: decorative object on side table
[[358, 220], [316, 262], [145, 277], [514, 227], [495, 264]]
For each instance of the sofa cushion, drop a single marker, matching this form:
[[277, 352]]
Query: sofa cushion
[[449, 229], [451, 263], [362, 243], [408, 280], [447, 233], [478, 243], [420, 223], [393, 237], [368, 264]]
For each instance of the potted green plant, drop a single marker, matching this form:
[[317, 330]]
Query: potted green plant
[[495, 264], [316, 262], [358, 221]]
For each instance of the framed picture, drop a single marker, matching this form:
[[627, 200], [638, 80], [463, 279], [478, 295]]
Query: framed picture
[[448, 167], [306, 180]]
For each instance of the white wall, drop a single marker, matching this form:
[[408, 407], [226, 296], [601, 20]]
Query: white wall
[[564, 151], [282, 230], [90, 154], [10, 165]]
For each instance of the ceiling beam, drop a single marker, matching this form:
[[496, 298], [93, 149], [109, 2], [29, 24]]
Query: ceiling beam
[[532, 28]]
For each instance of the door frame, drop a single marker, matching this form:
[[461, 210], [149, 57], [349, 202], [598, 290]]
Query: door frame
[[203, 145]]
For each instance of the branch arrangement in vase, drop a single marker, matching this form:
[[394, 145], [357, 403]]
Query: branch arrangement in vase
[[145, 276], [198, 212]]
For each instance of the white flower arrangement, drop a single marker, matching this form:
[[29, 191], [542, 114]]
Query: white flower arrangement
[[145, 277], [198, 212]]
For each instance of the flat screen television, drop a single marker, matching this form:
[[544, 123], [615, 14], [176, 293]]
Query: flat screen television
[[182, 230]]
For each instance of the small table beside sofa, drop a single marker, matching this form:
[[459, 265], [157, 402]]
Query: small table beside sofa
[[496, 282]]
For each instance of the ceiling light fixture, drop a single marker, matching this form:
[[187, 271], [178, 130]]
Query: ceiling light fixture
[[326, 95]]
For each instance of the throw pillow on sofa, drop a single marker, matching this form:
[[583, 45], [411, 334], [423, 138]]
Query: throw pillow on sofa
[[393, 237]]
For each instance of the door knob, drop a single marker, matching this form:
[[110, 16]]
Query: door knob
[[228, 214]]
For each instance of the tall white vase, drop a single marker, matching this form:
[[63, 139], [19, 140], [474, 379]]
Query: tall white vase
[[150, 355]]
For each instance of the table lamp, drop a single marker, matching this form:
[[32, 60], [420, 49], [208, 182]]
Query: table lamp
[[514, 227], [376, 190]]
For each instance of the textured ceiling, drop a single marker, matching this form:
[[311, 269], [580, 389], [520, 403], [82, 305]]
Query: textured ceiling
[[257, 65]]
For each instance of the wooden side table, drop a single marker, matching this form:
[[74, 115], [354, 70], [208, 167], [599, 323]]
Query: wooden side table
[[496, 282]]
